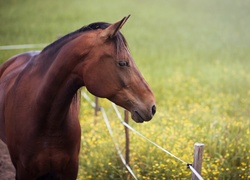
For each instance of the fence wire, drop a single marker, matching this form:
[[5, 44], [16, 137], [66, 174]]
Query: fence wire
[[158, 146], [116, 144], [93, 104], [138, 133], [22, 46], [144, 137]]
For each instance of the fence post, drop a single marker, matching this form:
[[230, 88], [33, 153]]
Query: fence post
[[198, 152], [97, 108], [127, 150]]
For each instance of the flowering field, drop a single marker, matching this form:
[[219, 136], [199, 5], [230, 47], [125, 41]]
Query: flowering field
[[195, 56], [209, 121]]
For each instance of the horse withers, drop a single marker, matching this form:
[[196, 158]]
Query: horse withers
[[39, 103]]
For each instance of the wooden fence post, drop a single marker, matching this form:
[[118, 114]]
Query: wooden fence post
[[127, 150], [198, 152], [126, 136], [97, 108]]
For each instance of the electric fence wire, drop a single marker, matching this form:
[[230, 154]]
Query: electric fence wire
[[158, 146], [142, 136], [116, 144], [22, 46], [110, 132], [195, 172], [88, 99]]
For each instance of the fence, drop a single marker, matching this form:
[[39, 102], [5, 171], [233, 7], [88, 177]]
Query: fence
[[198, 147]]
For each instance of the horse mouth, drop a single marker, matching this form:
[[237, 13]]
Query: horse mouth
[[137, 117]]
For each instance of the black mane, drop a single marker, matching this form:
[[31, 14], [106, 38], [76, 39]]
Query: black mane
[[119, 39]]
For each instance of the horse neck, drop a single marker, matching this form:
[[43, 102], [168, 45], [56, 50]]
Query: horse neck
[[59, 83]]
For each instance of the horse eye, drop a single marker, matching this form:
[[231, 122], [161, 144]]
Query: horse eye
[[123, 63]]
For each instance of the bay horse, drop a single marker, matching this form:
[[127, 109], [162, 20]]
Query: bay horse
[[39, 101]]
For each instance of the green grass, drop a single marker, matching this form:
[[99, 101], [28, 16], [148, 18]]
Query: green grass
[[194, 54]]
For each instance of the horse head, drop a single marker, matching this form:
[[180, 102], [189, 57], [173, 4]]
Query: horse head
[[110, 72]]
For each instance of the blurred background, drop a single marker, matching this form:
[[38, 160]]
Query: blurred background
[[195, 54]]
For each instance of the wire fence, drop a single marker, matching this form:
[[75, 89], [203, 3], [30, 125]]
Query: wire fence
[[138, 133]]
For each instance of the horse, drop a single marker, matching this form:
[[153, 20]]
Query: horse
[[39, 97]]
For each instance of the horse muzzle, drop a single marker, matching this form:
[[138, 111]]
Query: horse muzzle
[[140, 116]]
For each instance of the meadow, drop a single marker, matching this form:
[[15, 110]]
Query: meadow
[[195, 55]]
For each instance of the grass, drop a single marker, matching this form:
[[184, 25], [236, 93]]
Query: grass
[[194, 54]]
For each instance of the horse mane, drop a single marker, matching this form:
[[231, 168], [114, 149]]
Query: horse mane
[[119, 39]]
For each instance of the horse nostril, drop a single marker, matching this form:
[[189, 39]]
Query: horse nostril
[[153, 109]]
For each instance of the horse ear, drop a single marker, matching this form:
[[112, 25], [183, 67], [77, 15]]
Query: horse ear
[[113, 29]]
